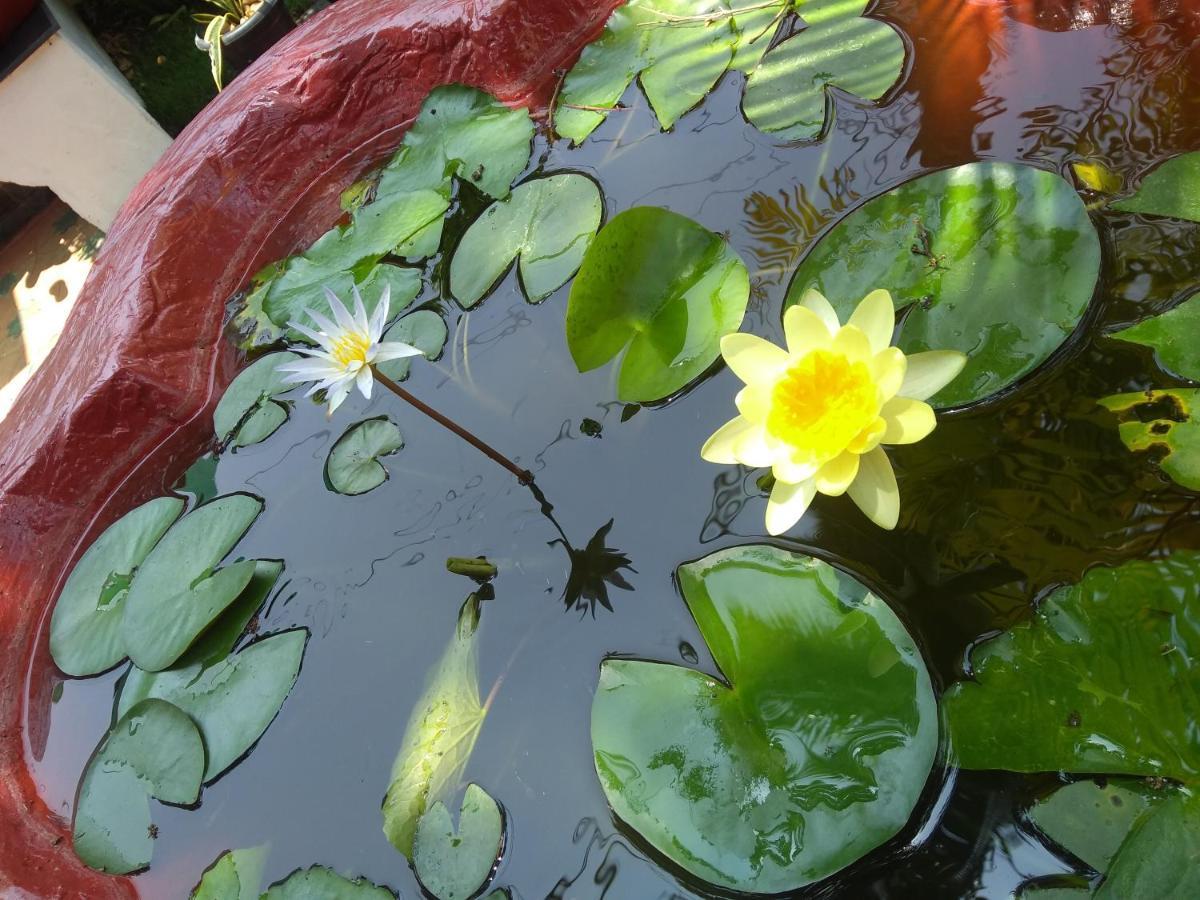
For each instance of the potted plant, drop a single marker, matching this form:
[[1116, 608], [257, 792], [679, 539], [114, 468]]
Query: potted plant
[[240, 32]]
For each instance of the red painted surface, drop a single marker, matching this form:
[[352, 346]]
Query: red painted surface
[[123, 404]]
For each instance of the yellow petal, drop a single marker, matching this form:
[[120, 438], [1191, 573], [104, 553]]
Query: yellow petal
[[853, 344], [836, 475], [754, 402], [793, 470], [908, 421], [875, 316], [869, 438], [788, 503], [753, 359], [720, 447], [754, 449], [804, 330], [931, 371], [815, 301], [889, 368], [874, 491]]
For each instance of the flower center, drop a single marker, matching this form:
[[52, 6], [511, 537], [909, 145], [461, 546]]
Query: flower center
[[351, 347], [822, 403]]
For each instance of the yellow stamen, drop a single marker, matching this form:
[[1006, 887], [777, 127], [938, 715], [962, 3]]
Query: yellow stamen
[[350, 347], [822, 403]]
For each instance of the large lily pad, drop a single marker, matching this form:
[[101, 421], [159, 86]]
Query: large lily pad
[[175, 593], [424, 329], [1165, 420], [1102, 680], [85, 629], [995, 260], [546, 223], [1175, 337], [353, 466], [1172, 189], [153, 751], [235, 875], [811, 753], [456, 864], [248, 412], [662, 286], [320, 883]]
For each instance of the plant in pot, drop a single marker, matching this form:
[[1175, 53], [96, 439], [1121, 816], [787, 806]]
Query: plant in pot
[[240, 32]]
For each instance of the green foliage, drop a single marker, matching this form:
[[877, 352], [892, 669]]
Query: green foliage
[[1091, 819], [1165, 421], [811, 752], [424, 329], [320, 883], [456, 864], [236, 875], [353, 466], [995, 260], [1158, 859], [1175, 337], [1172, 189], [663, 287], [248, 412]]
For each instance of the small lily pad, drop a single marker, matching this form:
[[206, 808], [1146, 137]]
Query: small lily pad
[[235, 875], [424, 329], [1175, 337], [662, 286], [85, 629], [320, 883], [1158, 859], [248, 406], [1165, 420], [546, 223], [175, 593], [153, 751], [1091, 819], [1172, 189], [353, 466], [456, 865]]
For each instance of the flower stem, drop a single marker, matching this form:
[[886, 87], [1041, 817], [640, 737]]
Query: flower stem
[[524, 476]]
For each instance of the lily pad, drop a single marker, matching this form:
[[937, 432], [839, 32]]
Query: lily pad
[[353, 466], [1102, 680], [1175, 337], [788, 92], [320, 883], [85, 629], [424, 329], [236, 875], [662, 286], [546, 223], [440, 735], [455, 865], [1165, 420], [248, 412], [175, 593], [153, 751], [1172, 189], [811, 752], [995, 260], [1091, 819], [1159, 857]]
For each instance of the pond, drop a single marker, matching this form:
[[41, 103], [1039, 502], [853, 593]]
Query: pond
[[1012, 497]]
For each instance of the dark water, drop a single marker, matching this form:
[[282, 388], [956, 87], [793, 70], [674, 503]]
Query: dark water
[[1004, 501]]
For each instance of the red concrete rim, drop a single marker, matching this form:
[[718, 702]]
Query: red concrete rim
[[123, 404]]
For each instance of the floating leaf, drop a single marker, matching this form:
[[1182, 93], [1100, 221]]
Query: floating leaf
[[153, 751], [235, 875], [1175, 337], [663, 286], [1163, 419], [353, 466], [1172, 189], [248, 405], [320, 883], [546, 223], [812, 753], [1095, 176], [1159, 857], [423, 329], [175, 593], [455, 865], [85, 629], [439, 737], [995, 260], [788, 92], [200, 480], [1101, 680], [1091, 819]]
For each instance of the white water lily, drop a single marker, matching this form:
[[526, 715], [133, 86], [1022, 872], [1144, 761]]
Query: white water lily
[[346, 349], [817, 412]]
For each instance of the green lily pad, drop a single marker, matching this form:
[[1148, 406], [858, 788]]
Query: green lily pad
[[440, 735], [320, 883], [811, 753], [235, 875], [175, 593], [663, 286], [455, 865], [153, 751], [424, 329], [546, 223], [1175, 337], [1091, 819], [1165, 420], [85, 628], [248, 407], [1172, 189], [995, 260], [788, 91], [353, 466], [1158, 859], [1101, 680]]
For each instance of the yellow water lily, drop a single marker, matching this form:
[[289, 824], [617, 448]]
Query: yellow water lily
[[817, 412]]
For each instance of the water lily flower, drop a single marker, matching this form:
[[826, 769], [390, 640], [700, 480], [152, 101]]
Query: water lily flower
[[346, 349], [817, 412]]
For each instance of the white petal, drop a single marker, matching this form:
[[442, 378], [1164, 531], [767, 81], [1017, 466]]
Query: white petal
[[393, 350], [875, 316], [328, 331], [720, 447], [753, 359], [306, 370], [362, 324], [836, 475], [908, 421], [341, 315], [788, 503], [814, 300], [365, 381], [931, 371], [306, 331], [874, 491], [804, 330], [380, 317], [337, 395]]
